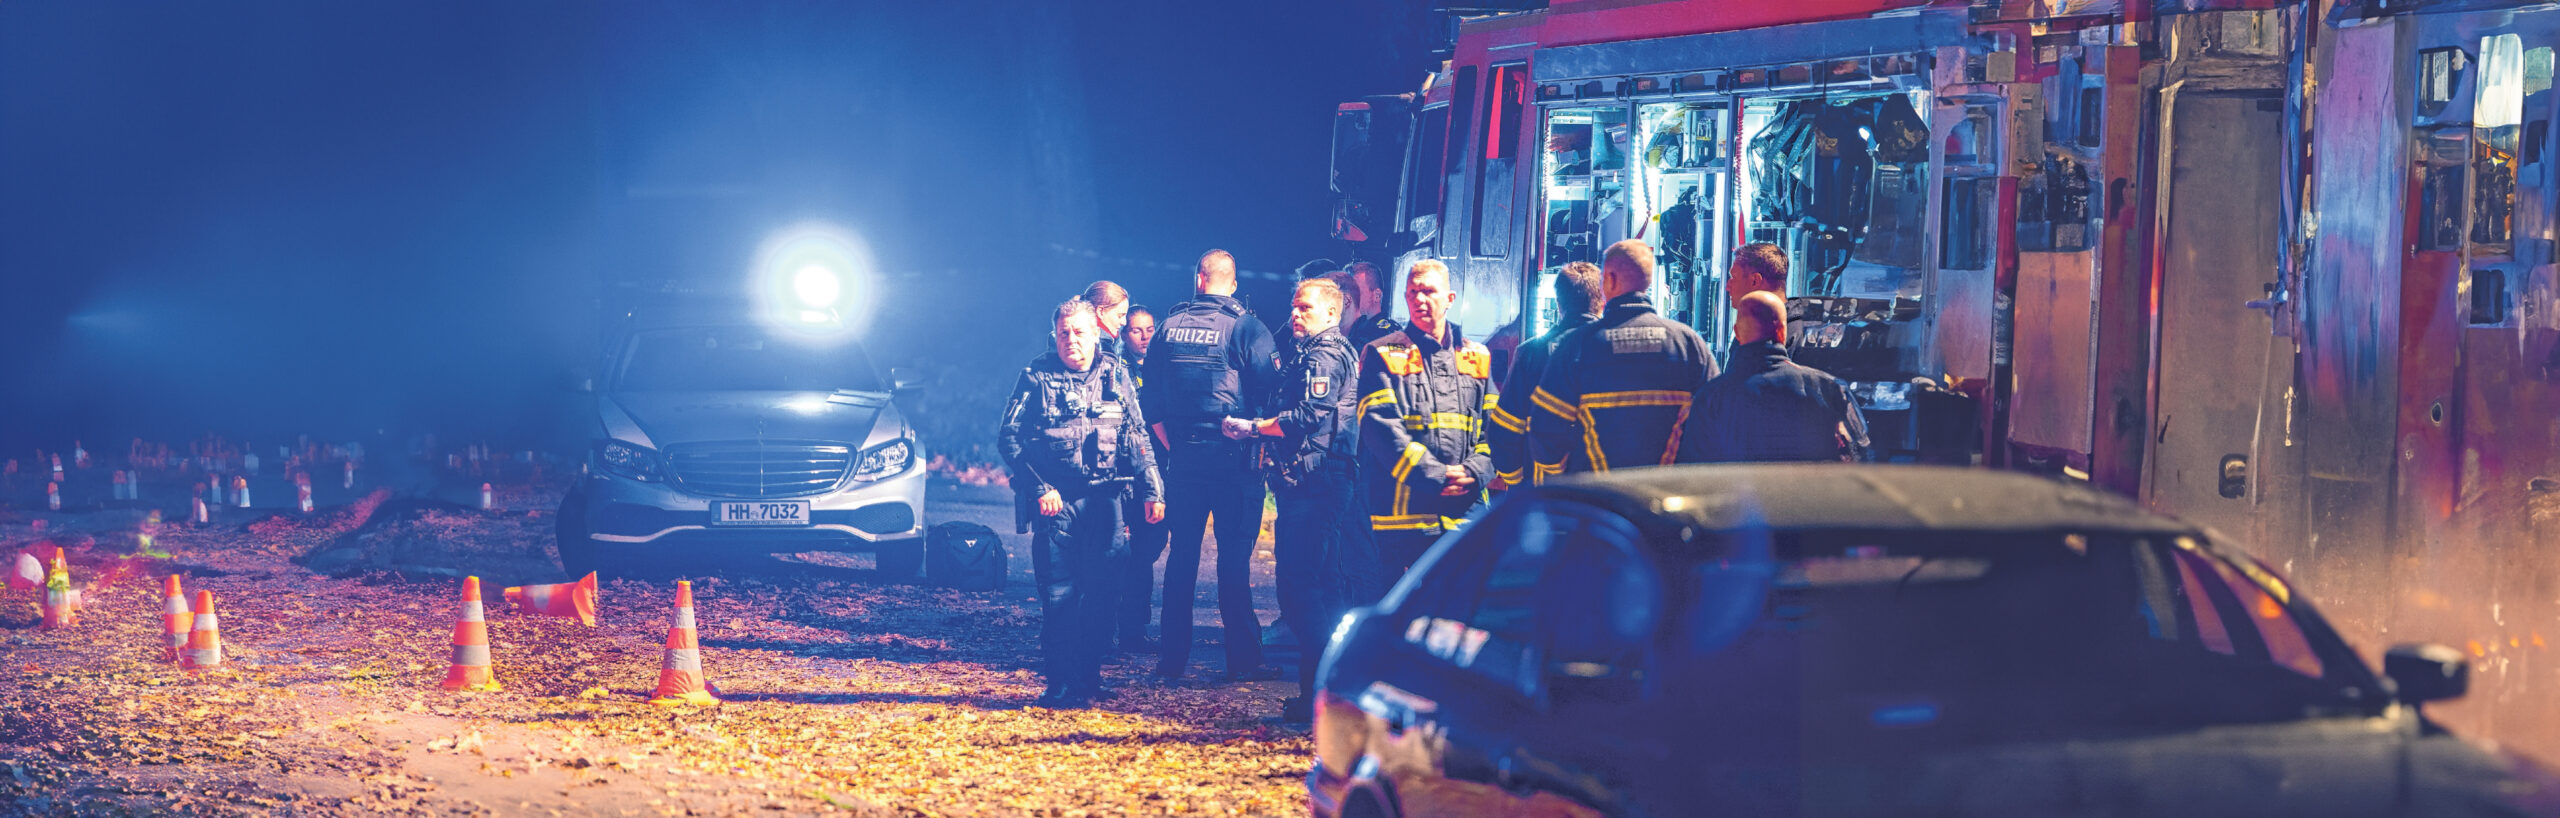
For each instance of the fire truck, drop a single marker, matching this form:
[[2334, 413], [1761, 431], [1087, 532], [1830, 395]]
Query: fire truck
[[2283, 268]]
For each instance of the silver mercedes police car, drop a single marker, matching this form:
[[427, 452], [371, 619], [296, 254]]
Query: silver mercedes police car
[[715, 437]]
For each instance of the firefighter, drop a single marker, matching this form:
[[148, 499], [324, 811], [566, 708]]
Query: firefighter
[[1146, 539], [1757, 267], [1076, 442], [1310, 469], [1579, 295], [1210, 360], [1614, 392], [1368, 320], [1768, 408], [1424, 394]]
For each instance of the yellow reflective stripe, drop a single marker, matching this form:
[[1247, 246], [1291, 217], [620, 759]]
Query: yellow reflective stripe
[[1638, 397], [1404, 522], [1382, 397], [1441, 420], [1539, 472], [1484, 448], [1510, 478], [1505, 419], [1452, 523], [1413, 453], [1591, 442], [1548, 401], [1492, 400]]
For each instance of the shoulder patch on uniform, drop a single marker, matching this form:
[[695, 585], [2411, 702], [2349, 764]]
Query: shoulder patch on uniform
[[1320, 386], [1401, 360]]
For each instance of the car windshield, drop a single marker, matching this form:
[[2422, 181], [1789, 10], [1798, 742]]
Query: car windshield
[[717, 359], [1969, 638]]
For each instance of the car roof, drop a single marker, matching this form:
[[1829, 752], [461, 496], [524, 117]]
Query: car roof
[[1801, 496]]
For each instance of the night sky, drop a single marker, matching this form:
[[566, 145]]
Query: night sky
[[273, 218]]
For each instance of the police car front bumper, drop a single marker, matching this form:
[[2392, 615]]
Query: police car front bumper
[[858, 515]]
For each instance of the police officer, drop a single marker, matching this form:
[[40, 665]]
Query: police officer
[[1369, 319], [1076, 442], [1310, 468], [1630, 374], [1579, 295], [1111, 308], [1211, 360], [1424, 393], [1146, 539], [1768, 408]]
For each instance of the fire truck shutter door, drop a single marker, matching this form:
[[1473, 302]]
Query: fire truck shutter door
[[1802, 42]]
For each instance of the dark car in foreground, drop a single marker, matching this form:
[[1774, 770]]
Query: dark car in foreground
[[1872, 641]]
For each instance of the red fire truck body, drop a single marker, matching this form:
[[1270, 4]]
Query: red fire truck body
[[2284, 269]]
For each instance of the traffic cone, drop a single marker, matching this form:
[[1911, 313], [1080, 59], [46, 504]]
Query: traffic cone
[[484, 497], [61, 601], [175, 619], [204, 638], [240, 490], [305, 490], [216, 480], [680, 675], [53, 496], [351, 476], [470, 666], [567, 600], [120, 485], [204, 515]]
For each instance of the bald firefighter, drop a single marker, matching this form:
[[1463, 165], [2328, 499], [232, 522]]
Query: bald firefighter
[[1615, 392], [1425, 392]]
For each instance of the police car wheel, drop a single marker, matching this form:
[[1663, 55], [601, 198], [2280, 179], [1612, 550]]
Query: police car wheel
[[579, 553], [900, 560]]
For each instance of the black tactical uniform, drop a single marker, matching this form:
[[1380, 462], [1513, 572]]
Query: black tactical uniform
[[1512, 453], [1322, 566], [1211, 360], [1364, 330], [1137, 590], [1769, 408], [1615, 392], [1083, 435], [1422, 410]]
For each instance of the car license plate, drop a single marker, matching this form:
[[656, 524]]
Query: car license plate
[[760, 512]]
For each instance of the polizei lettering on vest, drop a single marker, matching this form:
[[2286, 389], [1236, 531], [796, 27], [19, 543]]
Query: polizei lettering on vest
[[1192, 335]]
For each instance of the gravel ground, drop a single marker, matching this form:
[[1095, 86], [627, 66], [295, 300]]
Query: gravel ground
[[846, 693]]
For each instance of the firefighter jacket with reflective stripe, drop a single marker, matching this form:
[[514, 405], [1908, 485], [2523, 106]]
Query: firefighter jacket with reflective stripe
[[1510, 417], [1769, 408], [1422, 410], [1076, 431], [1315, 409], [1210, 360], [1615, 392]]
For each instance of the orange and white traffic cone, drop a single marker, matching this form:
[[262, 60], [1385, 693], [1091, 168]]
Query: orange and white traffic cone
[[485, 497], [204, 514], [175, 620], [216, 493], [305, 490], [680, 675], [240, 490], [53, 496], [204, 638], [120, 485], [351, 476], [470, 666], [61, 606], [567, 600]]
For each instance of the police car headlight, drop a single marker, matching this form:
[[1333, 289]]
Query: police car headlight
[[626, 460], [884, 460]]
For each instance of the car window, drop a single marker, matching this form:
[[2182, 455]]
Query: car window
[[1965, 636], [1536, 590], [719, 359]]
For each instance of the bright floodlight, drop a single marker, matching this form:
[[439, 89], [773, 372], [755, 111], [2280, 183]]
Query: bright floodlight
[[817, 286], [816, 281]]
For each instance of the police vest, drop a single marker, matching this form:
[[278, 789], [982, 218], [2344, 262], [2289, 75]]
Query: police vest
[[1203, 383]]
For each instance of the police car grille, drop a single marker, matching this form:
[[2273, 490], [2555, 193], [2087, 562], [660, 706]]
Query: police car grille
[[758, 469]]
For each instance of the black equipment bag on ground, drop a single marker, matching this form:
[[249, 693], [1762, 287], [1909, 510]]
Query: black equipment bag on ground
[[967, 556]]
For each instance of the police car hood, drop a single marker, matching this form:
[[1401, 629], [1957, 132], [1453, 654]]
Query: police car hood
[[676, 418]]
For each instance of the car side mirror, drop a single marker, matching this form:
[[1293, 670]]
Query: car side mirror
[[903, 380], [2427, 673]]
